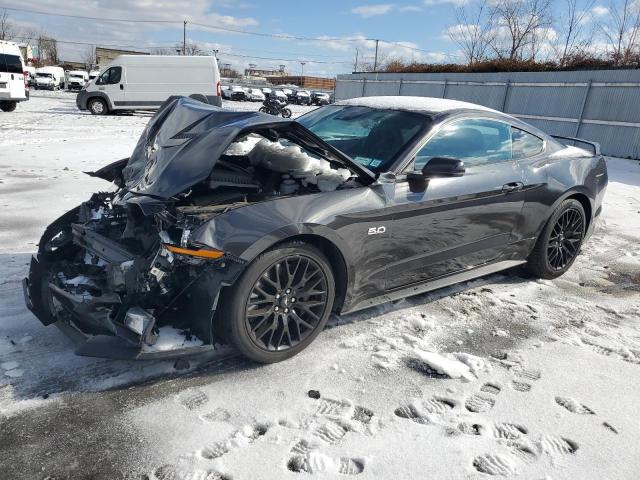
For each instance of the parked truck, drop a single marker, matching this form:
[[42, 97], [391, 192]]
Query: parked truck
[[49, 78], [76, 79]]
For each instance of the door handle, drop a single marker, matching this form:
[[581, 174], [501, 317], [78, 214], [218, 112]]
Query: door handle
[[121, 87], [512, 187]]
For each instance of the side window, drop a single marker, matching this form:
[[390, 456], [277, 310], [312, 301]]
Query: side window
[[474, 141], [110, 76], [525, 145]]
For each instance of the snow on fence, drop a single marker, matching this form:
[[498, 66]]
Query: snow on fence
[[598, 105]]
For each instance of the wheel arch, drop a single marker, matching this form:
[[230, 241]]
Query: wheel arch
[[580, 194], [586, 204], [327, 241], [100, 95]]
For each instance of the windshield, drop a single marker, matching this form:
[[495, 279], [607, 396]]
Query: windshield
[[371, 137], [74, 75], [44, 75]]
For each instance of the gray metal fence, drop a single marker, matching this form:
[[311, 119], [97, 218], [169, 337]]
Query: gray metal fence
[[599, 105]]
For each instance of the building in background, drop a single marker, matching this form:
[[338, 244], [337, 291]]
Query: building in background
[[104, 56], [67, 65], [313, 83], [27, 52], [252, 71]]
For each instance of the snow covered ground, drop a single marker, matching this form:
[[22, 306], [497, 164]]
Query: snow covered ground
[[500, 376]]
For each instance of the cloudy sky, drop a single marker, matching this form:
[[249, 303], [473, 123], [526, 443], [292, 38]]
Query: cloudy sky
[[411, 30]]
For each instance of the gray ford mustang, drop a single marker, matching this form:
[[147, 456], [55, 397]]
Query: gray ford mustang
[[237, 227]]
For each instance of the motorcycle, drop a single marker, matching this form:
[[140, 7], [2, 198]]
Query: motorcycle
[[274, 107]]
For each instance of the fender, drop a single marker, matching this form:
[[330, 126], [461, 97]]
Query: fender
[[83, 98], [293, 230], [568, 193]]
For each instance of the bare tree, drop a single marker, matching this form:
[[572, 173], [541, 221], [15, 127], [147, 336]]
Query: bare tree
[[191, 49], [474, 31], [7, 27], [573, 35], [47, 50], [622, 31], [89, 57], [518, 27]]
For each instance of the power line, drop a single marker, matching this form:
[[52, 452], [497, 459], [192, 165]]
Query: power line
[[221, 53], [223, 28], [84, 17]]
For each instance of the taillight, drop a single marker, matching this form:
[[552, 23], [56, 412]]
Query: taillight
[[218, 89]]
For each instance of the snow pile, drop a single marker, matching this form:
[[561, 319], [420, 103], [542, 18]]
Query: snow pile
[[455, 365]]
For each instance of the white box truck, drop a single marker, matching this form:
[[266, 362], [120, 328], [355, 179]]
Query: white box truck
[[144, 82], [13, 85], [76, 79], [49, 78]]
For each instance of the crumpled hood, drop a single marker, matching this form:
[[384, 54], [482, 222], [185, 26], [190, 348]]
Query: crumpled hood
[[184, 139]]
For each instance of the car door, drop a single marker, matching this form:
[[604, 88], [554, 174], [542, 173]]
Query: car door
[[460, 222], [111, 82]]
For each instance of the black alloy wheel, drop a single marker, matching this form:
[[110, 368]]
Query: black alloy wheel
[[286, 303], [559, 242], [565, 239], [280, 304]]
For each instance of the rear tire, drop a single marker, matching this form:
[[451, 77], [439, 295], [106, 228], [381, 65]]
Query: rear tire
[[263, 110], [280, 304], [559, 243], [286, 113], [97, 106], [8, 106]]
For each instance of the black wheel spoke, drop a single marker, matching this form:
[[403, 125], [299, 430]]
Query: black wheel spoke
[[565, 238], [287, 303]]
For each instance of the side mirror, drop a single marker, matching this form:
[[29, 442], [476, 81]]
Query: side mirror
[[437, 167], [443, 167]]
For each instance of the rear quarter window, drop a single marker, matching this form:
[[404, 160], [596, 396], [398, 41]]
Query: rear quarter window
[[524, 144]]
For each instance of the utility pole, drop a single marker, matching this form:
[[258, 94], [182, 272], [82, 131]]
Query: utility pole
[[184, 38], [375, 61], [356, 66], [302, 64]]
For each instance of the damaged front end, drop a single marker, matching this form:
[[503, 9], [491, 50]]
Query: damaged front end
[[120, 284], [139, 272]]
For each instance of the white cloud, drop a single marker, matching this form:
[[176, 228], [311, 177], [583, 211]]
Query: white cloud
[[599, 11], [367, 11], [457, 3], [410, 8]]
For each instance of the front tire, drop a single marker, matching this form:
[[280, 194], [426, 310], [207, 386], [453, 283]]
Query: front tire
[[559, 243], [286, 113], [281, 303], [8, 106], [97, 106]]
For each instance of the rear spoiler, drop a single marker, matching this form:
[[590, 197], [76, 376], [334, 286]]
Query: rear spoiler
[[595, 146]]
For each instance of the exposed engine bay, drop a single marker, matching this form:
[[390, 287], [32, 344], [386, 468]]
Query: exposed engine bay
[[125, 264]]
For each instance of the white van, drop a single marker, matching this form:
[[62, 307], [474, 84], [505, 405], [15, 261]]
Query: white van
[[13, 88], [144, 82], [49, 78], [76, 79]]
